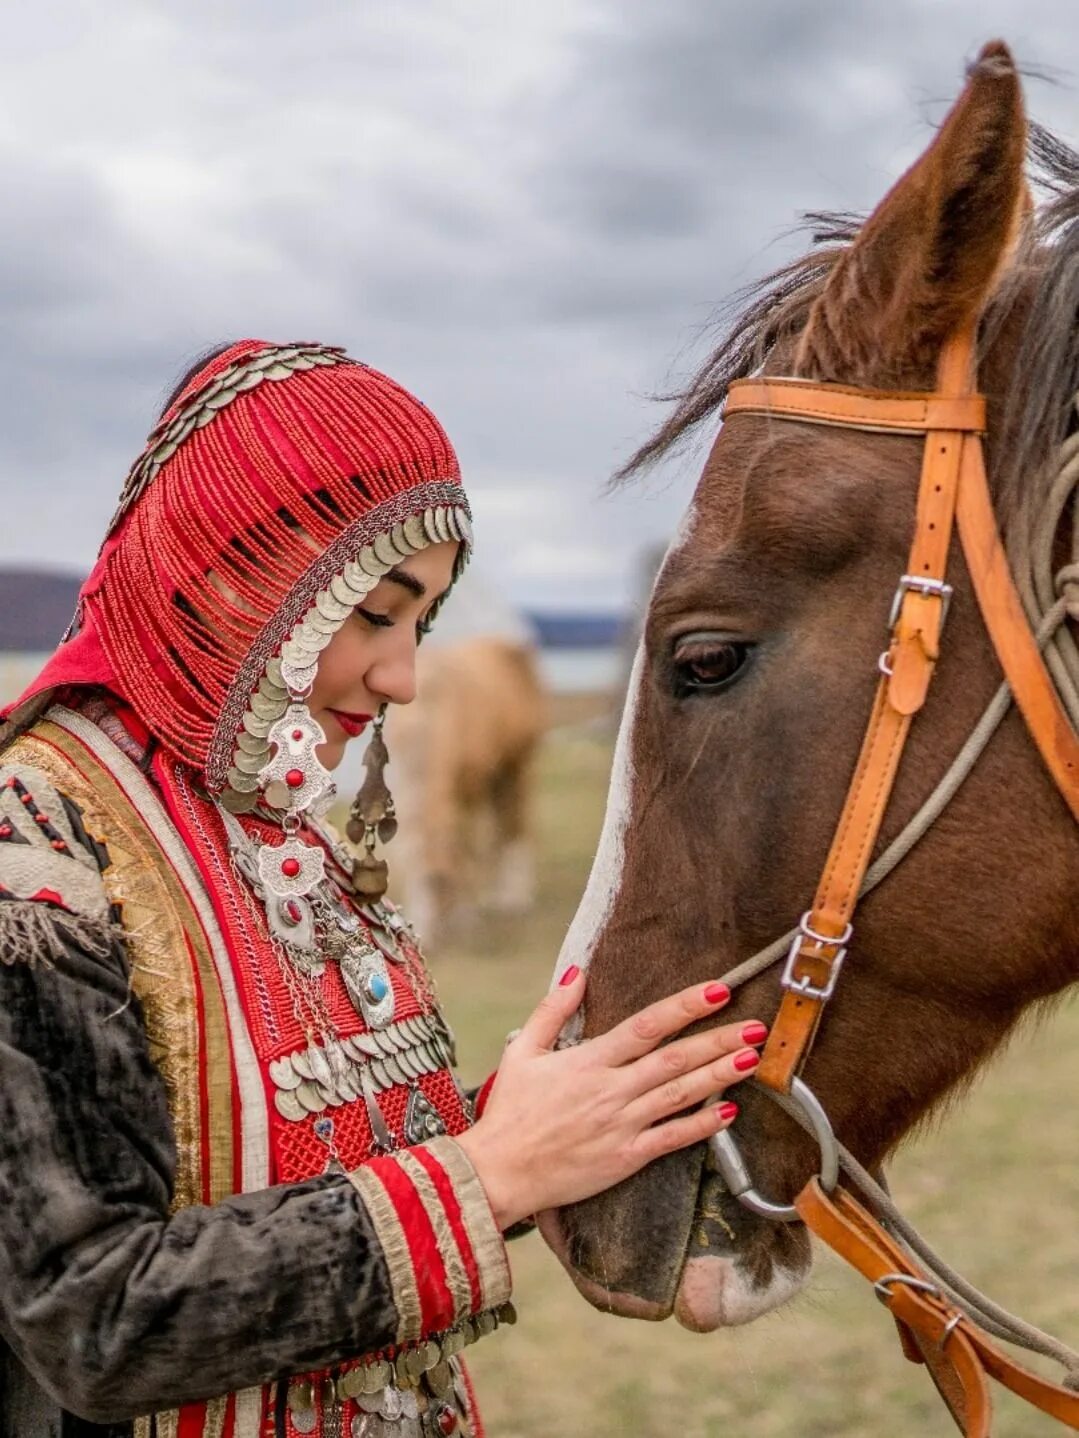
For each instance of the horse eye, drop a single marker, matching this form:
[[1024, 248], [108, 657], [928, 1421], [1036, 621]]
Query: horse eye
[[705, 665]]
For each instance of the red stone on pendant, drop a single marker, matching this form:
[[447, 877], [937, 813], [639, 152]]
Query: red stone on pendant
[[290, 868], [446, 1422], [292, 912], [297, 734], [294, 778]]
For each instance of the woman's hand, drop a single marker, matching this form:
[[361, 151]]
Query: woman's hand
[[560, 1125]]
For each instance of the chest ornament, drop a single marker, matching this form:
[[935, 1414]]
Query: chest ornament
[[317, 1077], [319, 927]]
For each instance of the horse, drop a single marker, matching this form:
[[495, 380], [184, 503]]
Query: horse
[[464, 753], [766, 640]]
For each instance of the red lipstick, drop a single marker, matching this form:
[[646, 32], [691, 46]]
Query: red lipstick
[[352, 724]]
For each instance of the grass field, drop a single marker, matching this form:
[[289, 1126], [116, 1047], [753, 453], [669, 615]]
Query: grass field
[[996, 1186]]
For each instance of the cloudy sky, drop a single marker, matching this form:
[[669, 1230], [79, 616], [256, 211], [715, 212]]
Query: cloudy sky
[[525, 212]]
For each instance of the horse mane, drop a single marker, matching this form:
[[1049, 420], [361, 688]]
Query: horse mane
[[1039, 408]]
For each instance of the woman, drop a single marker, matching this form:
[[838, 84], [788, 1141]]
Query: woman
[[239, 1189]]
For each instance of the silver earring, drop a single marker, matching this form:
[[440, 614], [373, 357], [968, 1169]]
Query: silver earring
[[372, 818]]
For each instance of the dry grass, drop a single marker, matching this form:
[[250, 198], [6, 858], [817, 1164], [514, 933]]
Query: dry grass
[[996, 1186]]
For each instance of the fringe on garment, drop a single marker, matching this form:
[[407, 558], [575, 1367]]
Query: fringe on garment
[[32, 932]]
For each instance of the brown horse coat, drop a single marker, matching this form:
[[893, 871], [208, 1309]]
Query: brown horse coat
[[751, 693]]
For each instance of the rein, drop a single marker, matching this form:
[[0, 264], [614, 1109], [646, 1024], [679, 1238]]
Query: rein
[[943, 1321]]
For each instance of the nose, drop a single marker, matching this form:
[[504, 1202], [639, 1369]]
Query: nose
[[392, 677]]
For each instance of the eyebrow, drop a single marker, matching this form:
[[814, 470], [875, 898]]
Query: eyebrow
[[407, 581]]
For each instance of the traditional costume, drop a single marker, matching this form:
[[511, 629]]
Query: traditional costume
[[231, 1205]]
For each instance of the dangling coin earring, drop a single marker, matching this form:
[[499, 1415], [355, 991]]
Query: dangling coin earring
[[372, 818]]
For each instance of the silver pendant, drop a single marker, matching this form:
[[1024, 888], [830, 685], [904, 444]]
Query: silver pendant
[[292, 869], [295, 766], [422, 1120], [321, 1071], [380, 1131], [369, 985], [292, 922]]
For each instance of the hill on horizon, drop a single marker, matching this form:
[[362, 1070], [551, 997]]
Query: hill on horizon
[[36, 606]]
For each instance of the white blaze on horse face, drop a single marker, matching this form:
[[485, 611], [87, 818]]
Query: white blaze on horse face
[[601, 892]]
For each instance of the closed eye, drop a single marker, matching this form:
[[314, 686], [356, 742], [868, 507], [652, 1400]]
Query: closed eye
[[706, 663], [380, 621]]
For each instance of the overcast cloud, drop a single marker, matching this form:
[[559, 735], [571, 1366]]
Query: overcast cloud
[[524, 212]]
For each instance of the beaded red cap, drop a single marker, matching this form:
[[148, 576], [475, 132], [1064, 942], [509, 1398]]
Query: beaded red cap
[[270, 471]]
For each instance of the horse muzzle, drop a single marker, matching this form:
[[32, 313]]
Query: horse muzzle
[[674, 1241]]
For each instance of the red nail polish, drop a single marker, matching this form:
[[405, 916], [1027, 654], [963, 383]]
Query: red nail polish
[[570, 974], [746, 1061], [754, 1033], [727, 1111], [716, 994]]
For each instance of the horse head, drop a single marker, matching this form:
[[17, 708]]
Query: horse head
[[751, 690]]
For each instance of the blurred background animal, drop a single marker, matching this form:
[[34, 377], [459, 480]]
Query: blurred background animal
[[462, 771], [461, 767]]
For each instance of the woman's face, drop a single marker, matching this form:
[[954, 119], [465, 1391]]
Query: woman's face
[[371, 660]]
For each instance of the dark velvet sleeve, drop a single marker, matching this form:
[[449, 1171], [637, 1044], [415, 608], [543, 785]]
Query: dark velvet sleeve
[[115, 1307]]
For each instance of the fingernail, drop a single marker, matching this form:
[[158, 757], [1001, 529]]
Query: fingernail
[[570, 974], [754, 1033], [716, 994], [746, 1061], [727, 1111]]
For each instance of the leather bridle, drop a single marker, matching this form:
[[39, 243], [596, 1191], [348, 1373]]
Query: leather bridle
[[953, 491]]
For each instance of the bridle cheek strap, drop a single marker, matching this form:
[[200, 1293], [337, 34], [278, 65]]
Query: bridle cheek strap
[[952, 419], [1017, 650]]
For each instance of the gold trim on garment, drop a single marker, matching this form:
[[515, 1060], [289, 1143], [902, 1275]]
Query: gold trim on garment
[[152, 910]]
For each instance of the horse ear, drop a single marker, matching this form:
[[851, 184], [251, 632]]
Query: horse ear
[[927, 259]]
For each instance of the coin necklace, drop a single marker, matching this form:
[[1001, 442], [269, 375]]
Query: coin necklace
[[297, 924], [392, 933]]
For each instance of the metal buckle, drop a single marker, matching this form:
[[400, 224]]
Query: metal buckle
[[883, 1286], [920, 585], [883, 1289], [804, 985]]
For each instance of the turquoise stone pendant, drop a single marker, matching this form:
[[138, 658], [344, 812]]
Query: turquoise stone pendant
[[368, 983]]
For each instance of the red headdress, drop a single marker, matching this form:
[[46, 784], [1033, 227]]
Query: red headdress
[[276, 490]]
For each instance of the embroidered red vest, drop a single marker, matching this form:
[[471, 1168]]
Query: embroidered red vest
[[247, 1107]]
